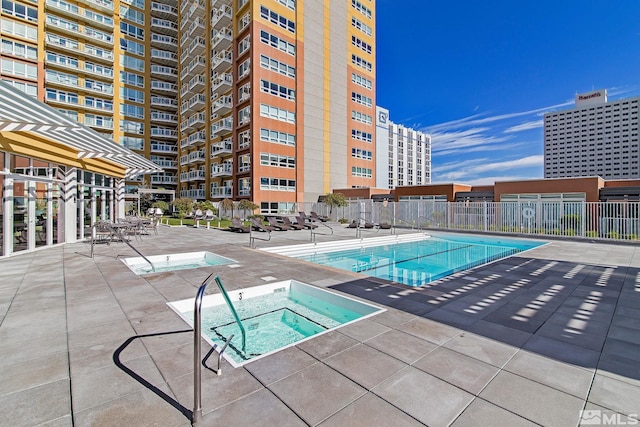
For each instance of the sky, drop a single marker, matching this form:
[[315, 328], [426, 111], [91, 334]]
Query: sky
[[479, 75]]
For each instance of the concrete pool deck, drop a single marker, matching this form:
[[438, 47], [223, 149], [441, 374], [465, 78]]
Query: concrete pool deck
[[533, 339]]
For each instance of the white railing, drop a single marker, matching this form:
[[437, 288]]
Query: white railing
[[612, 221]]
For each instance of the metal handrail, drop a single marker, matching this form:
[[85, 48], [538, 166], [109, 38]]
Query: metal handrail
[[314, 233], [197, 369], [115, 231], [233, 311], [252, 239]]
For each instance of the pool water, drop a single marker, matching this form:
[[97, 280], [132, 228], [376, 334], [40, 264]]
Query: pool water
[[416, 263], [172, 262], [274, 317]]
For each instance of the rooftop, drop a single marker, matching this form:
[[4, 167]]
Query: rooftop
[[532, 339]]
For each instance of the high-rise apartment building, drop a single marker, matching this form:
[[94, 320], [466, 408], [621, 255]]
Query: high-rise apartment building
[[595, 138], [404, 154], [268, 100]]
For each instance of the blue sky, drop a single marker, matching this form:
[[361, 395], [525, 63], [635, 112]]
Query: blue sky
[[478, 76]]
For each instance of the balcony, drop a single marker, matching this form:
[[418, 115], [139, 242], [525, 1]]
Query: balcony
[[164, 42], [164, 11], [221, 61], [221, 83], [197, 65], [102, 5], [160, 132], [197, 28], [222, 148], [158, 147], [184, 160], [164, 102], [221, 169], [197, 46], [222, 105], [163, 179], [222, 39], [164, 57], [196, 194], [221, 192], [162, 71], [161, 117], [221, 17], [194, 139], [196, 84], [195, 6], [196, 102], [197, 156], [164, 26], [165, 163], [222, 126], [197, 175], [164, 87]]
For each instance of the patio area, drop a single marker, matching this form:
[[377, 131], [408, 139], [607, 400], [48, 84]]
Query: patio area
[[530, 340]]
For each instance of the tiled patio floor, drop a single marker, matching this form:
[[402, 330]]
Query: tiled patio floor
[[533, 339]]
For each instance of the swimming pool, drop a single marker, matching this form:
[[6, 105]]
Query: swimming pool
[[413, 260], [274, 317], [178, 261]]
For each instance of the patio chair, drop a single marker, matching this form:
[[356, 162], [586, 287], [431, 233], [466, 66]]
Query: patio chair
[[308, 225], [198, 214], [294, 226], [257, 225], [275, 224], [384, 226], [238, 226], [209, 216], [317, 217], [352, 224]]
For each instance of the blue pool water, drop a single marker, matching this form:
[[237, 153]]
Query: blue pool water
[[274, 316], [417, 263]]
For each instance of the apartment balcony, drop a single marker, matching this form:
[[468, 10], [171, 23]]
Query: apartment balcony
[[165, 133], [198, 156], [163, 179], [219, 3], [195, 138], [165, 42], [165, 88], [102, 5], [222, 83], [221, 61], [164, 11], [162, 71], [95, 53], [197, 175], [197, 65], [222, 148], [222, 126], [164, 26], [197, 46], [184, 160], [164, 102], [196, 84], [102, 38], [195, 7], [222, 39], [80, 14], [197, 28], [197, 120], [221, 192], [165, 163], [195, 103], [222, 105], [196, 194], [165, 118], [221, 17], [159, 147], [164, 57], [221, 170]]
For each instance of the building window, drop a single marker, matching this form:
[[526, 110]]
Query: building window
[[277, 19], [277, 90], [277, 137]]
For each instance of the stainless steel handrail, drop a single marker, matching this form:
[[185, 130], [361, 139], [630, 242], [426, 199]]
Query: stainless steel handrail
[[314, 233], [252, 239], [197, 369], [121, 237]]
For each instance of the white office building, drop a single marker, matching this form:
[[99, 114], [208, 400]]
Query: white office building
[[595, 138], [403, 155]]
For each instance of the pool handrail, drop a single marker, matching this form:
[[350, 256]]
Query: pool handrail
[[313, 233], [233, 311], [196, 416], [117, 232], [252, 238]]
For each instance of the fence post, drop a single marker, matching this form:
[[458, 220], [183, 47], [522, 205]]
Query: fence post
[[485, 213]]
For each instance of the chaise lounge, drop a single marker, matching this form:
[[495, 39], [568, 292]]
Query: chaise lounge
[[238, 226]]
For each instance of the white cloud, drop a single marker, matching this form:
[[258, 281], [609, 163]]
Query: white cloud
[[470, 171], [525, 126]]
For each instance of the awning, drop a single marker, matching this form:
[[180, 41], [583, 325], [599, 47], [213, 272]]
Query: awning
[[20, 112]]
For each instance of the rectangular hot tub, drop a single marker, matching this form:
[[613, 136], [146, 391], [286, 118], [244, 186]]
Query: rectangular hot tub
[[171, 262]]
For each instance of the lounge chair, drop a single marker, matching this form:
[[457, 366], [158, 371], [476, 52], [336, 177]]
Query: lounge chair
[[384, 226], [305, 224], [275, 224], [352, 224], [317, 217], [238, 226], [198, 215], [257, 225], [209, 216], [295, 226]]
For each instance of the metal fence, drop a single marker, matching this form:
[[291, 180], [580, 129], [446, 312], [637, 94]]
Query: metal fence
[[589, 220]]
